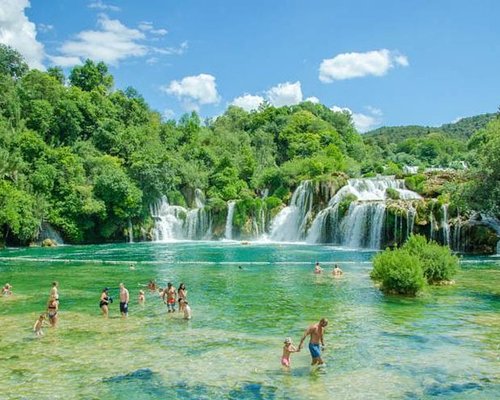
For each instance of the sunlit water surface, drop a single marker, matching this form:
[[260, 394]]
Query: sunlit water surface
[[444, 344]]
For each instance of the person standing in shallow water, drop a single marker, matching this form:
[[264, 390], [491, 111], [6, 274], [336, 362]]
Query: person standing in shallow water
[[170, 293], [317, 268], [315, 332], [337, 271], [54, 292], [124, 299], [52, 309], [104, 302], [182, 296]]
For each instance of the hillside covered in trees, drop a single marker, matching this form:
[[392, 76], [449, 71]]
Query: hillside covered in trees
[[91, 160]]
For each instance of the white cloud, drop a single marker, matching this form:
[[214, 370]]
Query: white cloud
[[171, 50], [362, 122], [111, 44], [99, 5], [17, 31], [312, 99], [63, 61], [248, 102], [285, 94], [356, 65], [148, 27], [194, 91]]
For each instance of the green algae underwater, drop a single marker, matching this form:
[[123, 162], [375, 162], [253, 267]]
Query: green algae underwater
[[246, 299]]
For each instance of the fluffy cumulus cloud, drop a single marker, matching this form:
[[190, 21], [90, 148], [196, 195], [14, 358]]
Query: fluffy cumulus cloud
[[285, 94], [248, 102], [112, 43], [17, 31], [357, 65], [362, 122], [194, 91]]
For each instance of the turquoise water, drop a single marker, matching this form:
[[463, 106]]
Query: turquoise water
[[444, 344]]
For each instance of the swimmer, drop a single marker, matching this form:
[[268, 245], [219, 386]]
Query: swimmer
[[104, 302], [52, 309], [170, 293], [7, 290], [187, 310], [142, 298], [317, 268], [336, 271], [182, 296], [152, 286], [124, 299], [315, 332], [37, 328], [54, 292], [288, 349]]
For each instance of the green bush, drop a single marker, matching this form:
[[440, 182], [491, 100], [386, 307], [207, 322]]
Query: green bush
[[398, 272], [408, 269], [392, 193], [438, 263]]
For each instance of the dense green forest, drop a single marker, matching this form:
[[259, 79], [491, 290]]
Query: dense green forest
[[89, 159]]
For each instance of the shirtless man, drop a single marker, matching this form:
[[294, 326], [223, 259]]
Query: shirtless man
[[337, 271], [170, 293], [315, 331], [124, 298]]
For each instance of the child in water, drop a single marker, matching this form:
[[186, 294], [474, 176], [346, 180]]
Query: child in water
[[142, 298], [7, 290], [187, 310], [288, 349], [37, 328]]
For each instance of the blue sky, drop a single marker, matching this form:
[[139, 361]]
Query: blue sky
[[389, 62]]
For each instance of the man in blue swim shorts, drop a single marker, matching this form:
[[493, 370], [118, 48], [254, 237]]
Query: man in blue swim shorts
[[315, 331]]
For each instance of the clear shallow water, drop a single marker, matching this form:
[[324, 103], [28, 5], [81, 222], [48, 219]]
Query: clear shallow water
[[445, 344]]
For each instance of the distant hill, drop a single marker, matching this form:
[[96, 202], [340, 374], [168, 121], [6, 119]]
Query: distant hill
[[461, 130]]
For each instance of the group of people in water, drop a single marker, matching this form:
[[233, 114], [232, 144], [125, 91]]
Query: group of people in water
[[171, 297]]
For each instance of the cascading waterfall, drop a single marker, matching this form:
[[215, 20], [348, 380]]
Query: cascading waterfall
[[291, 223], [228, 234], [411, 214], [362, 224], [198, 222], [130, 230], [445, 225], [168, 221]]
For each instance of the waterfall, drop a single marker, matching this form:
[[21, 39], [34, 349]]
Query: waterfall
[[168, 221], [198, 222], [229, 220], [363, 222], [446, 225], [291, 223], [432, 220], [130, 230], [46, 231], [411, 213]]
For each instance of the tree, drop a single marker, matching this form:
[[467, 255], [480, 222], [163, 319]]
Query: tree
[[12, 62], [90, 76]]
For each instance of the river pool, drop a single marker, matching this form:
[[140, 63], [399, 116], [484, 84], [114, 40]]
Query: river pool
[[245, 299]]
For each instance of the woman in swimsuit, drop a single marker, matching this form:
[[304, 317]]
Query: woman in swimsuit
[[182, 296], [52, 308], [104, 302]]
